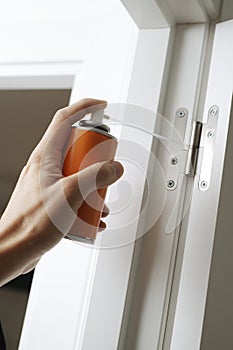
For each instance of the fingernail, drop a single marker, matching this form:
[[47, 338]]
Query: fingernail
[[117, 167], [109, 173]]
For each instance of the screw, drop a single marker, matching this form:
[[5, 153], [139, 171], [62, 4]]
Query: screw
[[181, 112], [174, 161], [203, 184], [210, 134], [170, 183], [213, 111]]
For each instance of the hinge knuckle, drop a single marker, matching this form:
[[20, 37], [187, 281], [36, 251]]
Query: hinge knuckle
[[193, 150]]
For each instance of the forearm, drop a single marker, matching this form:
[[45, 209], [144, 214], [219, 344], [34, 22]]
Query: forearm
[[23, 241], [15, 254]]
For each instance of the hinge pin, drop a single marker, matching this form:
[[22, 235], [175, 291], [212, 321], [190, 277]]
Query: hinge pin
[[194, 149]]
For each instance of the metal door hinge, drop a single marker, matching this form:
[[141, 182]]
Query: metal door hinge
[[200, 150], [208, 141], [193, 150]]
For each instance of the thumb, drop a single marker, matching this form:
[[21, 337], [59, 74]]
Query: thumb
[[96, 176]]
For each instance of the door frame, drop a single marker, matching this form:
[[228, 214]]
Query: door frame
[[127, 90]]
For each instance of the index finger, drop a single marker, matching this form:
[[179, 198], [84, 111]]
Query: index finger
[[56, 135], [78, 110]]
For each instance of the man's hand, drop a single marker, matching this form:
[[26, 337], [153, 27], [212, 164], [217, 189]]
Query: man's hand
[[43, 205]]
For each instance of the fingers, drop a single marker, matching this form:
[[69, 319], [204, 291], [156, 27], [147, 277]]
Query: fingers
[[78, 110], [98, 175], [102, 226], [78, 186], [56, 135], [105, 211]]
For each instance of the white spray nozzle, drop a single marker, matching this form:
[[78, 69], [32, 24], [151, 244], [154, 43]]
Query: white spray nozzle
[[98, 116]]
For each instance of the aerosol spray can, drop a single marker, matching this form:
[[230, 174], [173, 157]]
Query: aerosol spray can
[[90, 142]]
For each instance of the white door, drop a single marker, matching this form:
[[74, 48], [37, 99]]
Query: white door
[[189, 294], [124, 292]]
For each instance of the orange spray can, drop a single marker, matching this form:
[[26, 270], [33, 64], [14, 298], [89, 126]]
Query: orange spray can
[[90, 142]]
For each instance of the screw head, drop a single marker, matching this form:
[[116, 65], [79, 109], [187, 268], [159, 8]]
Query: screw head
[[203, 184], [181, 113], [210, 134], [174, 161], [170, 183], [213, 111]]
